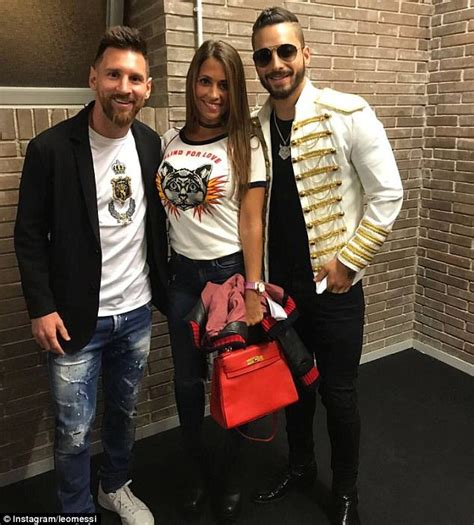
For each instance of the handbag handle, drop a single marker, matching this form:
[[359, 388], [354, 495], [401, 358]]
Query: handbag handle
[[261, 439]]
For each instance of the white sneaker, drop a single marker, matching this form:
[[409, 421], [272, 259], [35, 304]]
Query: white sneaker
[[131, 510]]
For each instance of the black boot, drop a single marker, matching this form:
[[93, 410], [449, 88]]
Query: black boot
[[229, 506], [190, 403], [192, 499], [345, 509], [295, 476], [194, 492]]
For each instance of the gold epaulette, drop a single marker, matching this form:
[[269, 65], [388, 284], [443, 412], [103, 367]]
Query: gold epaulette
[[343, 102]]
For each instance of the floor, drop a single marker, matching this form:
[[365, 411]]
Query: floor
[[417, 461]]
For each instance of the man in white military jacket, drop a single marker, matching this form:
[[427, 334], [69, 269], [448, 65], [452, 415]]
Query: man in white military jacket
[[334, 194]]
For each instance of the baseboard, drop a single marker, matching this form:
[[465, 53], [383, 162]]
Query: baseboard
[[28, 471], [388, 350], [159, 426], [155, 428], [448, 359], [45, 465]]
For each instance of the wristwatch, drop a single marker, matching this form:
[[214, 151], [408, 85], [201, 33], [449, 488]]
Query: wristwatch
[[258, 286]]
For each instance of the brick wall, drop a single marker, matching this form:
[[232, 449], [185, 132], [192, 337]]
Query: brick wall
[[444, 298], [377, 48], [18, 355], [148, 16]]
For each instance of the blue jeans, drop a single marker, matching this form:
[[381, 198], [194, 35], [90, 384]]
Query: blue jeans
[[120, 347], [188, 279]]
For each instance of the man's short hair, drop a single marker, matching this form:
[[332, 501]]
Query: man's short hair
[[122, 37], [276, 15]]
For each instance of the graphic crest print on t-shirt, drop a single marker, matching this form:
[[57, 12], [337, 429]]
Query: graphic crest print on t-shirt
[[184, 189], [121, 193]]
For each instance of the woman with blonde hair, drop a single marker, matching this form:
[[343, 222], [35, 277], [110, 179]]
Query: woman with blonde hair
[[212, 184]]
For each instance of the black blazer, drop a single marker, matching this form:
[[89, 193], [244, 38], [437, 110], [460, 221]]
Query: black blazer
[[57, 238]]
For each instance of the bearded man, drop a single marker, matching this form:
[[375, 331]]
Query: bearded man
[[91, 245], [334, 194]]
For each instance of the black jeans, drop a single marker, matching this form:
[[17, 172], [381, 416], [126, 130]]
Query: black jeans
[[188, 279], [331, 326]]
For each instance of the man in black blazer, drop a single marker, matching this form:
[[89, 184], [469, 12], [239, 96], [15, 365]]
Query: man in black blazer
[[90, 239]]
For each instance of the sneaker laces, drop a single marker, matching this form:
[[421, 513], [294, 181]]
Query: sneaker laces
[[127, 498]]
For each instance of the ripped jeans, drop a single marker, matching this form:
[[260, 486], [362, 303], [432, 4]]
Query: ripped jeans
[[119, 348]]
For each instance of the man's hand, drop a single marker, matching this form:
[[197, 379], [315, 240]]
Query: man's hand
[[253, 308], [339, 276], [45, 330]]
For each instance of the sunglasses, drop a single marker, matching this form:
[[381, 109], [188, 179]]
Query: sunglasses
[[263, 57]]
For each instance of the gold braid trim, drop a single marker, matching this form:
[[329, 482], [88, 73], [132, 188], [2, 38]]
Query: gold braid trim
[[374, 228], [359, 253], [331, 249], [315, 153], [327, 236], [362, 233], [364, 246], [320, 189], [355, 262], [311, 136], [316, 118], [325, 220], [322, 204], [317, 171]]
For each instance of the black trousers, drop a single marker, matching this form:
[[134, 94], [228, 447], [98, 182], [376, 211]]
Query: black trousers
[[188, 279], [331, 326]]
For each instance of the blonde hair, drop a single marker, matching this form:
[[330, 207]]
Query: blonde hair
[[237, 119]]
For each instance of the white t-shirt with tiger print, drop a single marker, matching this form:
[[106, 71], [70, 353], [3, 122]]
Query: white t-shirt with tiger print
[[195, 186]]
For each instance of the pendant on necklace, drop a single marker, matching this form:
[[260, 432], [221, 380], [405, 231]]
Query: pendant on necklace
[[284, 151]]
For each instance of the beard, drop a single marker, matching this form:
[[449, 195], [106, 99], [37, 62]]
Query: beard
[[284, 92], [120, 118]]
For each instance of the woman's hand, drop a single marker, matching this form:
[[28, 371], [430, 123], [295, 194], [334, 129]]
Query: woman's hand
[[253, 308]]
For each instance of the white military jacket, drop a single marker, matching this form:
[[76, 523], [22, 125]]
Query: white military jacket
[[349, 186]]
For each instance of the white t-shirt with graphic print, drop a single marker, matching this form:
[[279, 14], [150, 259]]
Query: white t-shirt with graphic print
[[195, 186], [121, 204]]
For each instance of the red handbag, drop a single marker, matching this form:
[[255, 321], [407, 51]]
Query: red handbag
[[249, 384]]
